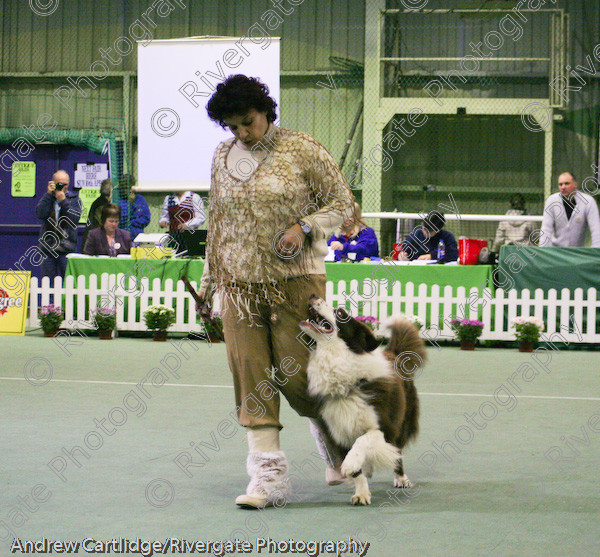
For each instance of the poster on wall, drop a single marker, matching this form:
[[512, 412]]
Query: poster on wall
[[14, 300], [90, 175], [88, 179], [23, 179]]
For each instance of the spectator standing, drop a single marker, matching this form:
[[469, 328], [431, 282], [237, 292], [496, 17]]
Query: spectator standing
[[135, 213], [182, 210], [59, 210], [568, 215]]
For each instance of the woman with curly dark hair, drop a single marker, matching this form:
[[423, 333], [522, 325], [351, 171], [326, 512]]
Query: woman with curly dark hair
[[276, 196]]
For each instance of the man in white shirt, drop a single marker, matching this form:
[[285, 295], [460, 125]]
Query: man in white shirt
[[568, 214]]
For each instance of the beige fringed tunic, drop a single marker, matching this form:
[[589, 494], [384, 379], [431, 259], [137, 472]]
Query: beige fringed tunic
[[296, 179]]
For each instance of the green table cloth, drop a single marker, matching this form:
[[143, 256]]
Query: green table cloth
[[140, 268], [533, 267], [453, 275]]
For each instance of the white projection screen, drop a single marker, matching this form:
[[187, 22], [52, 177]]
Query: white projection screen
[[176, 139]]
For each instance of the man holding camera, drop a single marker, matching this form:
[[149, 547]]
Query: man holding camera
[[60, 214]]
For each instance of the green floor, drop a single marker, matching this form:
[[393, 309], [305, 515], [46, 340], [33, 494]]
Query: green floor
[[500, 495]]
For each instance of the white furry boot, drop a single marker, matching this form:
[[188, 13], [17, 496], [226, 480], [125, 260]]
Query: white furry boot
[[267, 467], [333, 460]]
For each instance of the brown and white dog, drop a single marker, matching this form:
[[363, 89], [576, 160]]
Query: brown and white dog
[[368, 398]]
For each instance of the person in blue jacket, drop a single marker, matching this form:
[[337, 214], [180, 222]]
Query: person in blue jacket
[[354, 240], [59, 210], [423, 242], [135, 213]]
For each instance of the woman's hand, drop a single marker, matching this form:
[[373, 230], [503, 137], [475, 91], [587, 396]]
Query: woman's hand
[[335, 245], [291, 242], [424, 257], [163, 224]]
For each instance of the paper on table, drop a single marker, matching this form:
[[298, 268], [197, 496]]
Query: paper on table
[[330, 255], [416, 262]]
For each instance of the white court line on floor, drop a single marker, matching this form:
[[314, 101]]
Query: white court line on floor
[[120, 383], [517, 396], [231, 387]]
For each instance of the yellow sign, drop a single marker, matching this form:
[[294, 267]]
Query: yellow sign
[[14, 301], [87, 196], [23, 179], [151, 252]]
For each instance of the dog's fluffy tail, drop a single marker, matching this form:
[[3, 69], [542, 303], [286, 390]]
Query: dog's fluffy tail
[[406, 350], [406, 346], [370, 450]]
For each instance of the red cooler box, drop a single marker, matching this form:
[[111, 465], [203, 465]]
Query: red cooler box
[[468, 250]]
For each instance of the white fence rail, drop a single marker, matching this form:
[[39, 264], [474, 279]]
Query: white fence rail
[[121, 292], [570, 317]]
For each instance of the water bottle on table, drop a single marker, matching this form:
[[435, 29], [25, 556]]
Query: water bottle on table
[[441, 250]]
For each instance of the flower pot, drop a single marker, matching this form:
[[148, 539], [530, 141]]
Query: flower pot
[[105, 334], [467, 344], [51, 333], [160, 336], [526, 346], [213, 337]]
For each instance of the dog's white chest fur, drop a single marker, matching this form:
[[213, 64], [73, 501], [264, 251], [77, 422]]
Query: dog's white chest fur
[[333, 369], [333, 372]]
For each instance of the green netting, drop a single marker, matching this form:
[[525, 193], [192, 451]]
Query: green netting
[[95, 142]]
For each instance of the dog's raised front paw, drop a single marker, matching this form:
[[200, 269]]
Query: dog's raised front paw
[[351, 466], [361, 499], [402, 481]]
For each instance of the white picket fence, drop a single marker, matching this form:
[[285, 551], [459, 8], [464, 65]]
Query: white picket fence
[[573, 317], [125, 293], [570, 318]]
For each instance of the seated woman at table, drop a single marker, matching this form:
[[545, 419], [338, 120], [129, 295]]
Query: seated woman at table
[[513, 232], [354, 240], [423, 242], [108, 239]]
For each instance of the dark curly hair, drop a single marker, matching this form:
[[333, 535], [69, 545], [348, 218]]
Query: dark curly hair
[[237, 95]]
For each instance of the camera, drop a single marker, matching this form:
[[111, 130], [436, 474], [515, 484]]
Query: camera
[[58, 186]]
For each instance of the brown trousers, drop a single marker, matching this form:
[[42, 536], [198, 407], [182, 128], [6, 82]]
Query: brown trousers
[[269, 358]]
